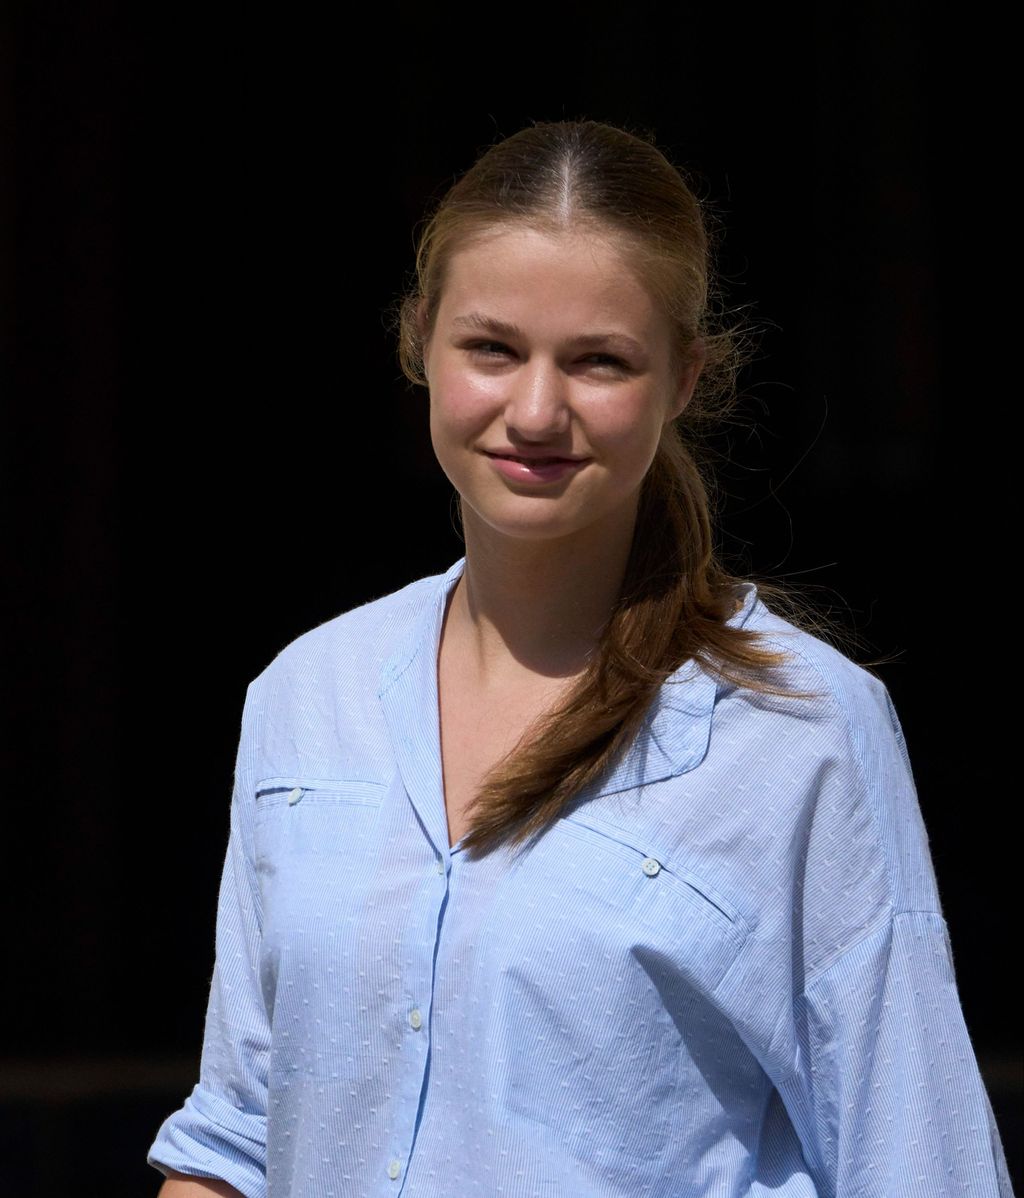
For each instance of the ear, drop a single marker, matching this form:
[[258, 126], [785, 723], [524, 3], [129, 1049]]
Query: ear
[[421, 329], [420, 316], [687, 380]]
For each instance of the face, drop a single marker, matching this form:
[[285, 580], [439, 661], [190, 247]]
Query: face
[[550, 383]]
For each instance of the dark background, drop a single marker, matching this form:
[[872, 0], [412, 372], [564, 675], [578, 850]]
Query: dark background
[[208, 447]]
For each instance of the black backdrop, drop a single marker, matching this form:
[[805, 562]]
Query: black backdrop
[[208, 447]]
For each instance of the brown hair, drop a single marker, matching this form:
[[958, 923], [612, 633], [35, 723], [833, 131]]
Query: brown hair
[[676, 596]]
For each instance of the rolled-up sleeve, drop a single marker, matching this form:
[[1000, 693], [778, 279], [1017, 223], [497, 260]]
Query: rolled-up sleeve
[[900, 1107], [220, 1130]]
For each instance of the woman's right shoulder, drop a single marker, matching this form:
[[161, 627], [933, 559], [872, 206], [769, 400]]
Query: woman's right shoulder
[[314, 711], [358, 639]]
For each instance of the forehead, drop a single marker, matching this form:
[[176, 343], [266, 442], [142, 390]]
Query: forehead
[[513, 274]]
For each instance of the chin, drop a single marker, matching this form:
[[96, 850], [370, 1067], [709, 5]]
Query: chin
[[530, 530]]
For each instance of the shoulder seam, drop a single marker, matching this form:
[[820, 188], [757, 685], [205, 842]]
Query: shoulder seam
[[890, 919]]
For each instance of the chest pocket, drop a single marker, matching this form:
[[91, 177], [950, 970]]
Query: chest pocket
[[314, 847], [670, 914], [312, 815]]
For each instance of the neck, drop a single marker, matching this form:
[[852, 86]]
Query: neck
[[536, 606]]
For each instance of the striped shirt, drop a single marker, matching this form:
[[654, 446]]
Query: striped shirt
[[723, 972]]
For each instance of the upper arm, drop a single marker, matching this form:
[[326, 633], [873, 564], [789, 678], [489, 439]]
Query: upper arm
[[897, 1102], [220, 1130], [888, 1071]]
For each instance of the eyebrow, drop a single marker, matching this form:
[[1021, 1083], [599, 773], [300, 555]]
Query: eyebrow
[[501, 328]]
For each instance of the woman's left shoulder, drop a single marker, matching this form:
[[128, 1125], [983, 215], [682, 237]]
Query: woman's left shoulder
[[835, 683], [837, 764]]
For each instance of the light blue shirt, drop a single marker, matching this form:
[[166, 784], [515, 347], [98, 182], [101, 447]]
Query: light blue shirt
[[725, 972]]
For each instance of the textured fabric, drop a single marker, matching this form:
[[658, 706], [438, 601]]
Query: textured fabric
[[724, 972]]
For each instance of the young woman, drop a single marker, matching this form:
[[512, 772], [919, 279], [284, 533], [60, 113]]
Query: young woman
[[579, 869]]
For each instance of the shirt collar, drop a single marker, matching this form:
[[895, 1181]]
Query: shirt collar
[[676, 731], [673, 739], [424, 633]]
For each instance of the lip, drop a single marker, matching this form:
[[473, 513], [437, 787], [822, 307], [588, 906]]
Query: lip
[[542, 468]]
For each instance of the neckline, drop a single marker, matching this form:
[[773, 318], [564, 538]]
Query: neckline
[[673, 741], [451, 581]]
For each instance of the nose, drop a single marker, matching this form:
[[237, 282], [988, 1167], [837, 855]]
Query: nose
[[537, 407]]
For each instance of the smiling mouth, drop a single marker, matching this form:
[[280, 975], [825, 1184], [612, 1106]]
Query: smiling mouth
[[508, 457]]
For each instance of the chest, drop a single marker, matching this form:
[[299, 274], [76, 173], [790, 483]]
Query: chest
[[477, 730], [545, 988]]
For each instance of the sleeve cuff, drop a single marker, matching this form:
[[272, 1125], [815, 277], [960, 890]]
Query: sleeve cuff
[[208, 1137]]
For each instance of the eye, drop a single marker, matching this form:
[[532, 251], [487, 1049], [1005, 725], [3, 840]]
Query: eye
[[488, 349], [608, 360]]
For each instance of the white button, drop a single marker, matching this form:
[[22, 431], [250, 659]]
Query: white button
[[415, 1018], [295, 795], [394, 1169], [440, 866], [651, 866]]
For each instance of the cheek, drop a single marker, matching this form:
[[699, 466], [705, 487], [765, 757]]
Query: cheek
[[458, 404], [628, 425]]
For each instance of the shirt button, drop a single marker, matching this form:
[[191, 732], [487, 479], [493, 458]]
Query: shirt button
[[651, 866], [415, 1018], [394, 1168], [440, 866], [294, 795]]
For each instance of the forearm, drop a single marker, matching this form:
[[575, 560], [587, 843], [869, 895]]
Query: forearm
[[180, 1185]]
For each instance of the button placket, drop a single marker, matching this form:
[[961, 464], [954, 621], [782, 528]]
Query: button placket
[[421, 931]]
